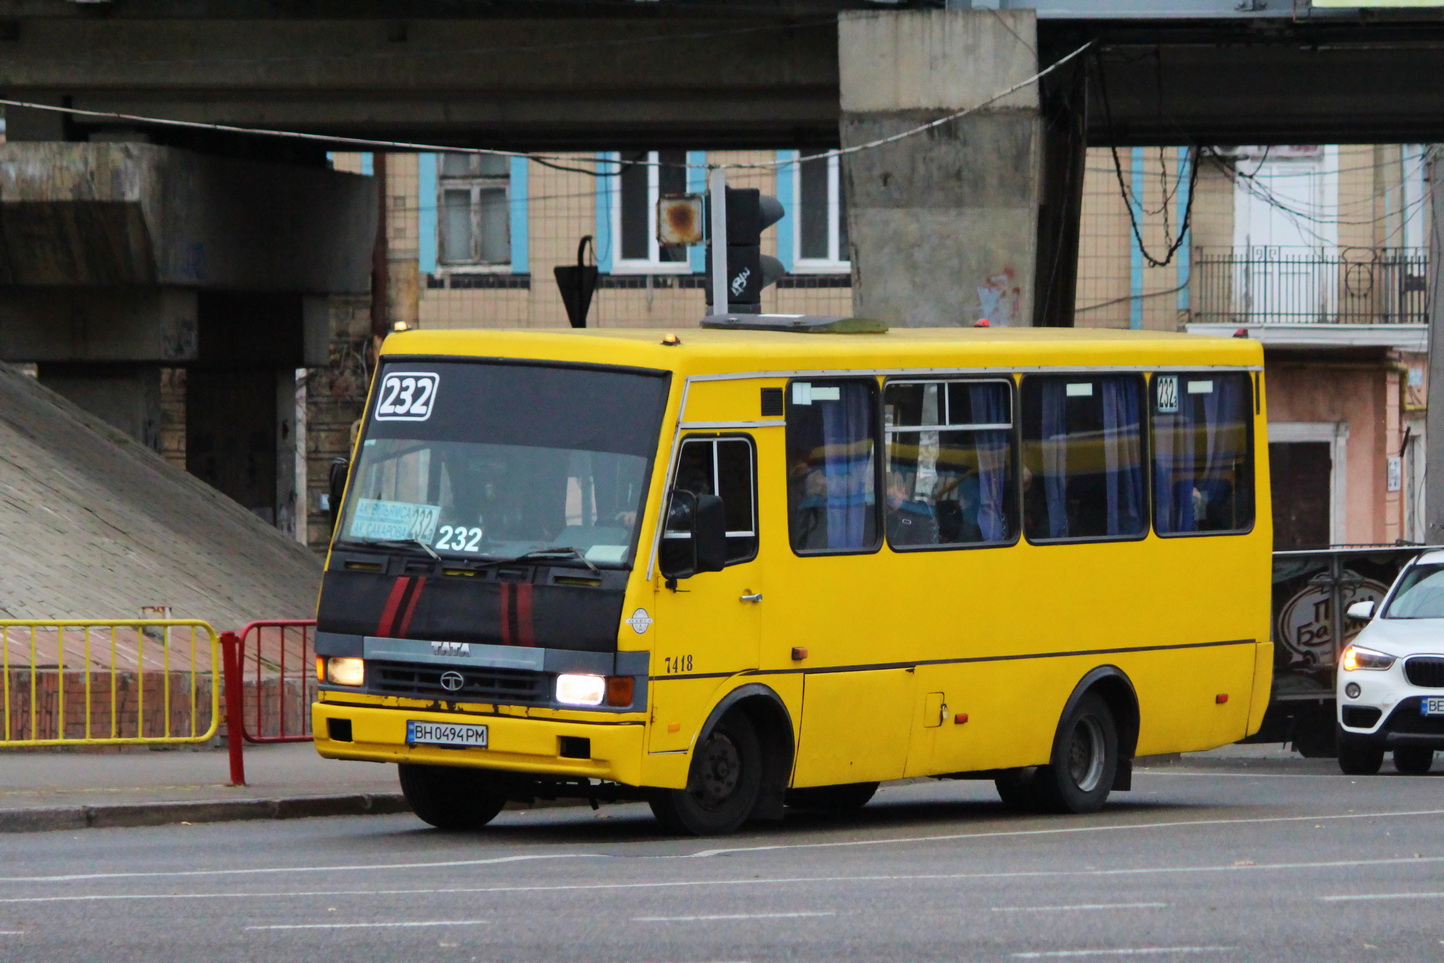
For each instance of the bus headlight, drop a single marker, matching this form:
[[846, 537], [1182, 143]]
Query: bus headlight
[[345, 671], [1356, 657], [581, 690]]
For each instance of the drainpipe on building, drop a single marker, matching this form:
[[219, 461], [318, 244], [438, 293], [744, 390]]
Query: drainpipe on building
[[1434, 417]]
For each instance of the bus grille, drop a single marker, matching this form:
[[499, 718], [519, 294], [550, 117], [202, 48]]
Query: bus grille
[[1425, 671], [478, 684]]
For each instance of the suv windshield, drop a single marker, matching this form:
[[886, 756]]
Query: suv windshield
[[492, 460], [1420, 594]]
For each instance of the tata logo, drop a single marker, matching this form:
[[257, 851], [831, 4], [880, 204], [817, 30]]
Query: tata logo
[[452, 681], [640, 621], [451, 648]]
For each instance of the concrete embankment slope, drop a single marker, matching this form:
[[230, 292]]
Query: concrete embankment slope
[[95, 525]]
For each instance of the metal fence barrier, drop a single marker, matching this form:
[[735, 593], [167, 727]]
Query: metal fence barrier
[[108, 682], [276, 663]]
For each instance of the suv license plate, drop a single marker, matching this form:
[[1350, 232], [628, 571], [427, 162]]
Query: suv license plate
[[1432, 706], [446, 734]]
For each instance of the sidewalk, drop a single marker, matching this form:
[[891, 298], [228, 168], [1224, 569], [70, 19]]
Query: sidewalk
[[42, 791], [74, 790]]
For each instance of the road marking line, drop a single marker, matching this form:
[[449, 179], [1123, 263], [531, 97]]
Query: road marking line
[[1136, 951], [1377, 896], [748, 881], [1081, 906], [357, 926], [723, 916], [949, 837], [1058, 831]]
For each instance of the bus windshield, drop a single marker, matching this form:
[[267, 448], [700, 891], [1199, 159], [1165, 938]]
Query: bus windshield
[[495, 460]]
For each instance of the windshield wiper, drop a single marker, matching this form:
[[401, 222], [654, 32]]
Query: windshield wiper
[[560, 551], [397, 543]]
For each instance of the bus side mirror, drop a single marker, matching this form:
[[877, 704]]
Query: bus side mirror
[[336, 489], [695, 537], [1361, 611]]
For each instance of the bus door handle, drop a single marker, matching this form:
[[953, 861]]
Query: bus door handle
[[750, 597]]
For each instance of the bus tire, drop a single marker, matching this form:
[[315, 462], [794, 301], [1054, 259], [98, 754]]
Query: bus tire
[[1079, 775], [450, 798], [1413, 760], [724, 784], [844, 798], [1359, 756]]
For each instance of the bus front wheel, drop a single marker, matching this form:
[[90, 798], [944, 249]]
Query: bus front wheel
[[1080, 773], [724, 785], [450, 798]]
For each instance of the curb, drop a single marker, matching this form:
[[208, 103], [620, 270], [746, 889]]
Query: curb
[[124, 815]]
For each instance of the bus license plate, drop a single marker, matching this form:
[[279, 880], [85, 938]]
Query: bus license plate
[[1433, 706], [444, 734]]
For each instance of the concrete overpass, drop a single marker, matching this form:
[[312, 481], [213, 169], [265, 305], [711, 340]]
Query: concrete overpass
[[127, 247]]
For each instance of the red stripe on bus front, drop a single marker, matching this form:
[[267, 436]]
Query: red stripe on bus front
[[411, 607], [523, 615], [388, 614]]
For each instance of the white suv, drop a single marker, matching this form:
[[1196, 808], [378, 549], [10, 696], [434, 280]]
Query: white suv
[[1390, 683]]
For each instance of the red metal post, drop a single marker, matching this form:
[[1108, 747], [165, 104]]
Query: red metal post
[[231, 674]]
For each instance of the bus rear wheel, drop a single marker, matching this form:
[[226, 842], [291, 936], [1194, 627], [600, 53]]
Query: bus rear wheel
[[724, 784], [1080, 773], [450, 798]]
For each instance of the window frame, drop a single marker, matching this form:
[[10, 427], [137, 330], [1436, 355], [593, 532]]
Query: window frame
[[1013, 427], [652, 264], [1250, 449], [1145, 454], [879, 455], [714, 439], [837, 260], [474, 183]]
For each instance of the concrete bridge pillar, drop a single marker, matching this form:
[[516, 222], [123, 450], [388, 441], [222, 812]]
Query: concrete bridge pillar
[[945, 225]]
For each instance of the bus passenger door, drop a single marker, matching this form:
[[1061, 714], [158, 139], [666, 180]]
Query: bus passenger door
[[708, 627]]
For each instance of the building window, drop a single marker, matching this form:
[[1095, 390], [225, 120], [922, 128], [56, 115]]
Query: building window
[[644, 177], [475, 223], [821, 234]]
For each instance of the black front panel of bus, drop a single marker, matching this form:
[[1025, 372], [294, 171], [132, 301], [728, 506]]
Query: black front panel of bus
[[491, 611]]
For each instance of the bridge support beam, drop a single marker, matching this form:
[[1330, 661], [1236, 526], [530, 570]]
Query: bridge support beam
[[945, 223]]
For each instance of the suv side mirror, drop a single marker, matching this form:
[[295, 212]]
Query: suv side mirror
[[695, 537], [336, 489], [1362, 611]]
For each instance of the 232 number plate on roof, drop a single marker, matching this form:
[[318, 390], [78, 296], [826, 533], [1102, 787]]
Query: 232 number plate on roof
[[407, 396]]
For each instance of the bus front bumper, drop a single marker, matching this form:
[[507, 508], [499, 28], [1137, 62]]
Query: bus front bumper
[[614, 750]]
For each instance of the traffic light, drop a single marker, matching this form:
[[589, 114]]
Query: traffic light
[[749, 213]]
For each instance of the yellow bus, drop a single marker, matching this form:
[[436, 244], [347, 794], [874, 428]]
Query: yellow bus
[[773, 563]]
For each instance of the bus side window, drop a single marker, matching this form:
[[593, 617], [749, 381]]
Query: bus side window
[[724, 466], [1202, 470], [1083, 473], [832, 499], [949, 463]]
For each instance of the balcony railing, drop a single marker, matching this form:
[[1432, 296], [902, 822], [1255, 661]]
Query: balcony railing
[[1302, 285]]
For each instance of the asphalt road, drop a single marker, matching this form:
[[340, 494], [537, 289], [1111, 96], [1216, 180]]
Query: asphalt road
[[1265, 861]]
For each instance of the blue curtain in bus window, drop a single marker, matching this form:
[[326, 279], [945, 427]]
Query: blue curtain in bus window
[[1123, 456], [1223, 414], [1055, 457], [989, 403], [847, 429], [1200, 455]]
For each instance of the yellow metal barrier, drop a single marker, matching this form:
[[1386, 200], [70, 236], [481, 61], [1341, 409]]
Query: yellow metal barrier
[[108, 682]]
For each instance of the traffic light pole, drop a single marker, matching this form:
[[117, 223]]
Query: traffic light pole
[[717, 238]]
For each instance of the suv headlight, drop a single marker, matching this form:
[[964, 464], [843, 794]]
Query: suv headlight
[[1357, 657]]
